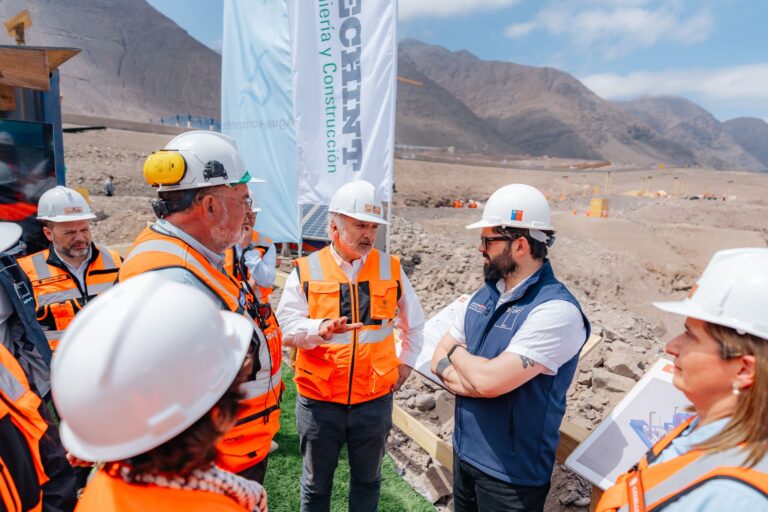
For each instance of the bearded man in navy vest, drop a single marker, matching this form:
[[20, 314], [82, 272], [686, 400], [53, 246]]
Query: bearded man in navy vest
[[510, 357]]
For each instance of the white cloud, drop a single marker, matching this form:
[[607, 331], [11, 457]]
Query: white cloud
[[741, 83], [617, 27], [410, 9], [521, 29]]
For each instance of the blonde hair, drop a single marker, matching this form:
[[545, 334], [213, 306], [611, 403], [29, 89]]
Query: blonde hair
[[747, 425]]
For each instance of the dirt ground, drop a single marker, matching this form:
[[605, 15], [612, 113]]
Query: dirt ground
[[648, 248]]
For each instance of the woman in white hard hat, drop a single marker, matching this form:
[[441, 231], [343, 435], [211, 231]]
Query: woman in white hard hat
[[148, 380], [718, 460]]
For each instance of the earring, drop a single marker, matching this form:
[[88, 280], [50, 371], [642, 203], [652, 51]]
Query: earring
[[735, 389]]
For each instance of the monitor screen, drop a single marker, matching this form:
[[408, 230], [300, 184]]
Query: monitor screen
[[27, 169]]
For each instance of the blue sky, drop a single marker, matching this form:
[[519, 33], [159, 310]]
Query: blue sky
[[714, 52]]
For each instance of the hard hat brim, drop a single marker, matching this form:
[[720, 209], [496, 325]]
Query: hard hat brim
[[255, 209], [68, 218], [511, 224], [257, 180], [9, 235], [364, 217], [481, 224], [690, 309], [242, 329]]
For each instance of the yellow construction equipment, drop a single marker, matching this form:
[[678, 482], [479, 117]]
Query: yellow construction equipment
[[17, 25], [598, 207]]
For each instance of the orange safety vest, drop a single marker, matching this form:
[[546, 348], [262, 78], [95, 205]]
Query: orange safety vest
[[58, 294], [258, 418], [653, 488], [107, 493], [21, 404], [360, 365], [256, 245]]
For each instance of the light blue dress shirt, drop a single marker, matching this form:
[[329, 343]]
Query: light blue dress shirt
[[716, 495]]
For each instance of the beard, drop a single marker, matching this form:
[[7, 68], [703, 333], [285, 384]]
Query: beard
[[499, 267], [223, 236], [75, 252]]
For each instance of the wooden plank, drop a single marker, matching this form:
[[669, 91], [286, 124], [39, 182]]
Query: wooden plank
[[428, 440], [570, 437], [24, 68], [7, 98], [589, 345], [58, 56]]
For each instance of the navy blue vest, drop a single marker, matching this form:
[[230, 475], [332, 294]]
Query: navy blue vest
[[27, 341], [513, 437]]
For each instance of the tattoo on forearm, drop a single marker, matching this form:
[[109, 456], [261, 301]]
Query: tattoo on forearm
[[527, 361]]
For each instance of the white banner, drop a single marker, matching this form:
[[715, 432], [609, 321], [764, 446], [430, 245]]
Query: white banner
[[344, 78], [257, 108]]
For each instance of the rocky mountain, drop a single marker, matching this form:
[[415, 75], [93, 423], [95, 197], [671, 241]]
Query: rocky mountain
[[135, 64], [428, 115], [542, 111], [751, 134], [691, 126]]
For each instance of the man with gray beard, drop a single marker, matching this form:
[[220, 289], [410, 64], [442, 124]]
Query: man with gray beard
[[201, 208]]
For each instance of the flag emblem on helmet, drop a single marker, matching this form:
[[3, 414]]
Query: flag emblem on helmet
[[372, 208], [73, 209], [517, 215]]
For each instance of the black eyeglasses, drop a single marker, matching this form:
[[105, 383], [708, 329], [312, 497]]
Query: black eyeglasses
[[485, 239]]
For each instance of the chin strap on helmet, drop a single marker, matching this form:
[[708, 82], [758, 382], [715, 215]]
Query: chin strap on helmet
[[165, 207]]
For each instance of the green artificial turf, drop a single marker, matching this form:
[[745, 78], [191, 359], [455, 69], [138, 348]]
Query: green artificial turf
[[284, 470]]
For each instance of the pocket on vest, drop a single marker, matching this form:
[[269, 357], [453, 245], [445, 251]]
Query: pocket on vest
[[383, 372], [383, 299], [324, 299], [314, 373]]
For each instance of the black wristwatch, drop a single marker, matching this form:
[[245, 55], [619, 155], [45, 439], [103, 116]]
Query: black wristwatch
[[453, 349], [441, 366]]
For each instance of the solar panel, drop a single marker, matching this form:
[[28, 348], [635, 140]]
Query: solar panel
[[314, 222]]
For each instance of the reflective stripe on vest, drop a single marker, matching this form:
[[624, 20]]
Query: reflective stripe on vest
[[263, 384], [172, 249], [58, 295], [360, 365], [46, 299], [364, 336], [41, 266], [10, 385], [653, 488]]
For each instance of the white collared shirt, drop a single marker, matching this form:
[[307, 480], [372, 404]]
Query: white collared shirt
[[293, 311], [551, 335]]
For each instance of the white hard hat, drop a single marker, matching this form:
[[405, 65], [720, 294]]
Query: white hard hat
[[357, 199], [209, 159], [9, 235], [62, 204], [732, 291], [142, 363], [252, 193], [517, 206]]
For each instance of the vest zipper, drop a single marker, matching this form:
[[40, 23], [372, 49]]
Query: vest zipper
[[355, 318]]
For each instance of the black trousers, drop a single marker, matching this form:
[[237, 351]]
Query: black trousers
[[475, 491], [256, 472], [323, 428]]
